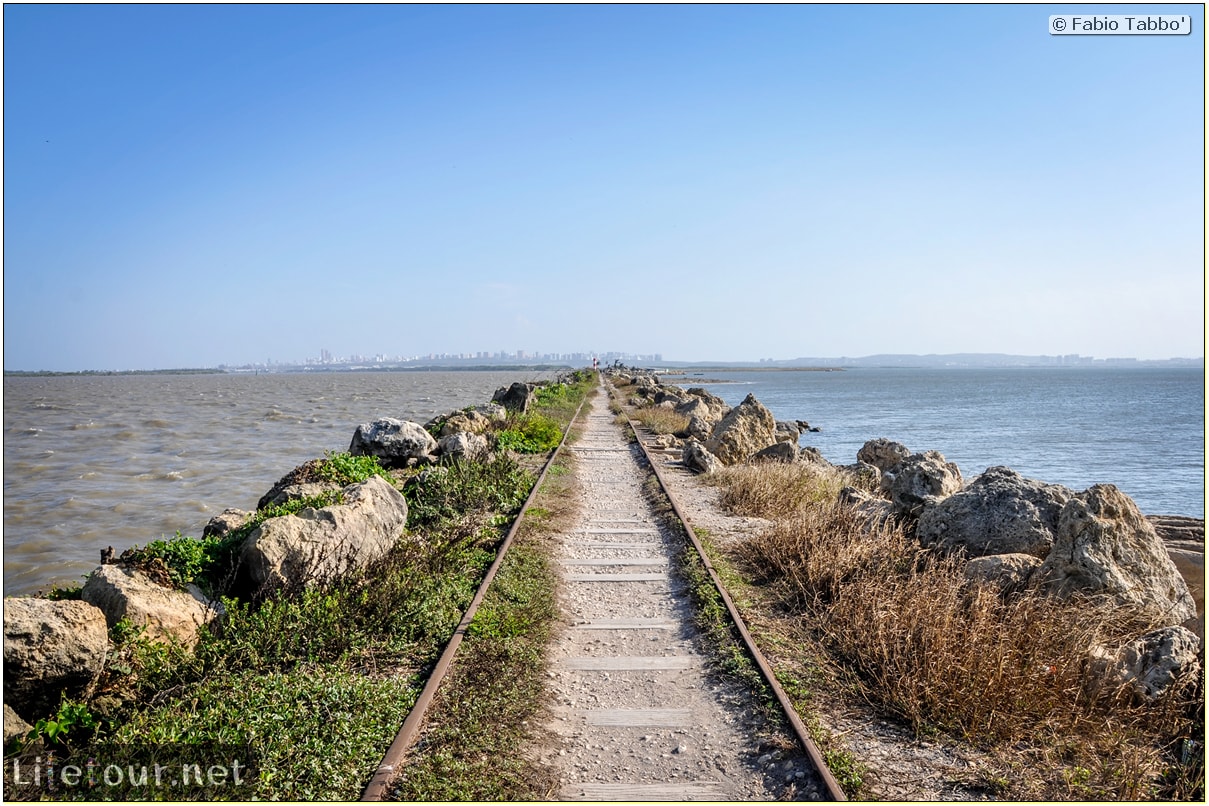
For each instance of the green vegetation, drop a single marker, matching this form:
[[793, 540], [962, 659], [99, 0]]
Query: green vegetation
[[492, 701], [530, 433], [343, 468]]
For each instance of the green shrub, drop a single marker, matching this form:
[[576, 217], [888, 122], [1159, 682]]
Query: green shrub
[[343, 468], [533, 433]]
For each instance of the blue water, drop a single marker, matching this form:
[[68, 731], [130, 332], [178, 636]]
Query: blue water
[[1140, 429]]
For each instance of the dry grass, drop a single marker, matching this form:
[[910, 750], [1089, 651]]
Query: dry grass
[[920, 643], [774, 490], [660, 420]]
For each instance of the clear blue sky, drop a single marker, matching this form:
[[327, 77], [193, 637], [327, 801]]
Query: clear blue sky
[[195, 185]]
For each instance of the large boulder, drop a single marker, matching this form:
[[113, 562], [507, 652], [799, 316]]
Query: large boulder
[[1105, 546], [882, 453], [782, 452], [279, 496], [15, 728], [469, 422], [318, 546], [290, 485], [672, 395], [1185, 541], [1008, 572], [516, 397], [879, 511], [1150, 664], [695, 456], [51, 648], [463, 445], [715, 403], [699, 428], [494, 412], [226, 522], [696, 407], [166, 615], [746, 429], [394, 442], [700, 403], [1000, 512], [920, 480], [787, 431]]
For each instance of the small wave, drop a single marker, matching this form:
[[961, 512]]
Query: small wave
[[31, 432], [125, 435], [83, 426], [91, 474], [157, 423]]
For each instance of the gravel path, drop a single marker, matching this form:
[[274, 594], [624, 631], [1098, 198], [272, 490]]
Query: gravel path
[[638, 715]]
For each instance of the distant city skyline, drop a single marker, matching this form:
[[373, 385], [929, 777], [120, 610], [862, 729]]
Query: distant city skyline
[[196, 184]]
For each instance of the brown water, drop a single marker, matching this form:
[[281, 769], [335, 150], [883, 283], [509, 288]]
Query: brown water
[[98, 461]]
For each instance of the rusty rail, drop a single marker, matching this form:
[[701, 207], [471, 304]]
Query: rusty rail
[[834, 790], [387, 769]]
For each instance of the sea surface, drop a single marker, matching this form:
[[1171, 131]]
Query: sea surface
[[94, 461]]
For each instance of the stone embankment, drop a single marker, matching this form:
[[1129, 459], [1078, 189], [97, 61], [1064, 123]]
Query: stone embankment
[[1012, 531], [56, 648]]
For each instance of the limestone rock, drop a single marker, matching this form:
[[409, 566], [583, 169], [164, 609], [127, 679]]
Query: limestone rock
[[783, 452], [1009, 572], [318, 546], [787, 431], [664, 441], [15, 728], [672, 395], [50, 647], [305, 473], [696, 456], [696, 407], [1000, 512], [919, 480], [864, 474], [1158, 659], [471, 422], [1185, 541], [167, 615], [226, 522], [746, 429], [463, 445], [1104, 546], [713, 401], [878, 510], [699, 428], [392, 441], [882, 453], [282, 495], [492, 411], [1148, 665], [814, 456], [516, 397]]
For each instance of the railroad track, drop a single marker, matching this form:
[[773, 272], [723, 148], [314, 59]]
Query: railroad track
[[639, 713]]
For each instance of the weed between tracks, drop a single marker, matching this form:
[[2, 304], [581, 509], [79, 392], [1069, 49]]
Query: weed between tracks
[[902, 632]]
